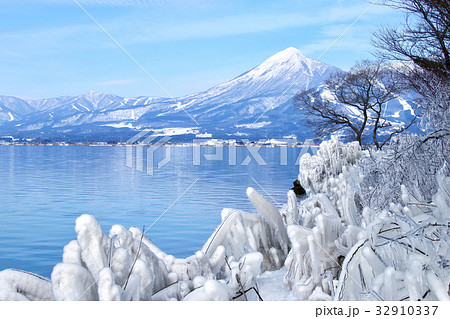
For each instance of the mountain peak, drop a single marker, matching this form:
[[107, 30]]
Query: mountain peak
[[288, 54], [284, 66], [96, 97], [288, 59], [91, 94]]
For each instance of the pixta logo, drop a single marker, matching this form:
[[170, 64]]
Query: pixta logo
[[141, 149]]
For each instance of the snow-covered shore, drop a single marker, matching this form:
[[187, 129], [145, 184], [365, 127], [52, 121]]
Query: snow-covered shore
[[329, 246]]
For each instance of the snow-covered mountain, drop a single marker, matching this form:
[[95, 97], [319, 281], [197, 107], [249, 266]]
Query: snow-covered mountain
[[256, 104], [12, 109]]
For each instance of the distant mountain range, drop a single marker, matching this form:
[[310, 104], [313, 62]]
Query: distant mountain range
[[255, 105]]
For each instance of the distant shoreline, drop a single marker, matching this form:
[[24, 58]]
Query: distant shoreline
[[160, 144]]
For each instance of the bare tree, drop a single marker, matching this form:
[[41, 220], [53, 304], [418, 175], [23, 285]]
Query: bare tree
[[423, 43], [423, 38], [353, 101]]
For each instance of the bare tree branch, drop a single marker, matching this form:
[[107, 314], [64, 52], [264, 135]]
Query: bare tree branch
[[353, 101]]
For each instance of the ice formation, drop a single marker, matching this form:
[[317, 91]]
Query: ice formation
[[331, 246], [126, 265], [21, 285], [350, 252]]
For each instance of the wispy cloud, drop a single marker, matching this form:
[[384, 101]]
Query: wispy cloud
[[357, 39], [143, 30], [54, 40], [137, 28], [114, 82], [133, 3], [48, 40], [122, 3]]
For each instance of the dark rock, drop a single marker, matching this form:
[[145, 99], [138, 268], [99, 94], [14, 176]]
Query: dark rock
[[298, 189]]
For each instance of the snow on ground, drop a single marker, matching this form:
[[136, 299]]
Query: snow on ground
[[253, 125], [170, 131], [271, 287], [119, 125]]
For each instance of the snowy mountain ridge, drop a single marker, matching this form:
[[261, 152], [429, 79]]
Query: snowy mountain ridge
[[228, 110]]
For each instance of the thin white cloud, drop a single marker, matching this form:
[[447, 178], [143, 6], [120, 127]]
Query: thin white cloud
[[136, 28], [32, 43], [114, 82], [125, 3], [122, 3], [354, 43], [145, 31]]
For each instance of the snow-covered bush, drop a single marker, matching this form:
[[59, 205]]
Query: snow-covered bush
[[410, 160], [328, 222], [403, 252], [413, 160], [400, 253]]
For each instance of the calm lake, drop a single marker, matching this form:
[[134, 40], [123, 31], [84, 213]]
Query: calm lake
[[43, 189]]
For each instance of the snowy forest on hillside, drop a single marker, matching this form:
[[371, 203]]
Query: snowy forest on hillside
[[374, 224]]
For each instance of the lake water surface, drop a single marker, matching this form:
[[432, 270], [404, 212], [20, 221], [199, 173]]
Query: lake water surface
[[43, 189]]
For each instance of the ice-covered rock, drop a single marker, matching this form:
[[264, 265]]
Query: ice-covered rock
[[73, 282], [21, 285]]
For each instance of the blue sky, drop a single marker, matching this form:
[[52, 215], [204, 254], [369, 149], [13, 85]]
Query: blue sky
[[51, 48]]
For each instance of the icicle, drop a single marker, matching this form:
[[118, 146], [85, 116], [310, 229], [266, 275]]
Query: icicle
[[125, 236], [217, 259], [327, 205], [346, 286], [292, 209], [132, 290], [121, 265], [137, 234], [315, 258], [437, 287], [107, 289], [147, 279], [375, 262], [272, 215], [442, 198], [241, 232], [389, 284]]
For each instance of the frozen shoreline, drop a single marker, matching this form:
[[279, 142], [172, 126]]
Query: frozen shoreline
[[328, 247]]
